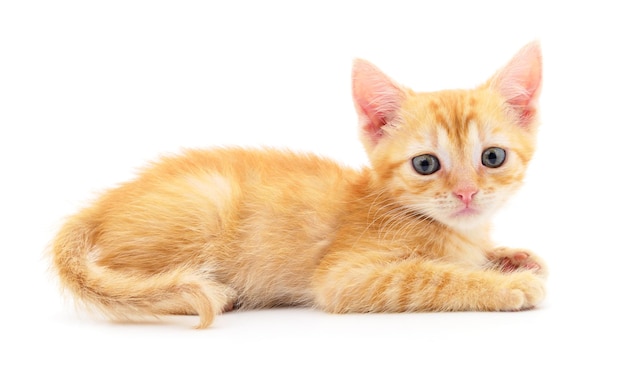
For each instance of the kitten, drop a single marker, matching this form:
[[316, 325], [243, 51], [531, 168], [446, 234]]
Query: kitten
[[210, 230]]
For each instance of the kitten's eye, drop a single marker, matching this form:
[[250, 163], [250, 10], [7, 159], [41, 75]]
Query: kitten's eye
[[426, 164], [493, 157]]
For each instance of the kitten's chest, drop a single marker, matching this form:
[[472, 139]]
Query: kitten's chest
[[466, 251], [468, 248], [430, 240]]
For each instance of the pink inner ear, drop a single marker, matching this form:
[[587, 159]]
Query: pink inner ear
[[520, 81], [376, 96]]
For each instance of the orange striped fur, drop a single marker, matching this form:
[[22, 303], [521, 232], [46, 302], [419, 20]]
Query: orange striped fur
[[211, 230]]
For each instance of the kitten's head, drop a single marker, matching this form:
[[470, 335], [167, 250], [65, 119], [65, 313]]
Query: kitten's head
[[453, 155]]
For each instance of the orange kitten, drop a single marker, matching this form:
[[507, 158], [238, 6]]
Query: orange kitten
[[210, 230]]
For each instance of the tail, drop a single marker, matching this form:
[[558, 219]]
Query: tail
[[123, 295]]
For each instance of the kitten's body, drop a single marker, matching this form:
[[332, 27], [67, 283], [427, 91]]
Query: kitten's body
[[205, 231]]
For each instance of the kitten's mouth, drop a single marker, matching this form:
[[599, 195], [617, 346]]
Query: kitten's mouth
[[466, 212]]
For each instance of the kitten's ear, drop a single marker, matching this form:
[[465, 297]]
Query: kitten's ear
[[377, 100], [520, 82]]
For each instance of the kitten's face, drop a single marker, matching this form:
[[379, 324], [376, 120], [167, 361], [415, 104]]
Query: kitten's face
[[455, 156]]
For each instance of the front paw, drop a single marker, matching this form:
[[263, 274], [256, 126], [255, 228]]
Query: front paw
[[522, 290], [509, 260]]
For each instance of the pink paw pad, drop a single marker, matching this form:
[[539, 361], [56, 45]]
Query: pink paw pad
[[518, 260]]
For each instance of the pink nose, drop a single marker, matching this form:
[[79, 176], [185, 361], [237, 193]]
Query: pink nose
[[466, 194]]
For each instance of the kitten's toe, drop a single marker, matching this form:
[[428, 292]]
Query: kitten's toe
[[509, 260], [526, 290]]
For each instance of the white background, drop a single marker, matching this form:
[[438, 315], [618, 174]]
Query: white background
[[89, 91]]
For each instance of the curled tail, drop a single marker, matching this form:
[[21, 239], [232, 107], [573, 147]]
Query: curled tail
[[124, 295]]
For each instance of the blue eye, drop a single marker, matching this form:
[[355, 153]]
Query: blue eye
[[493, 157], [426, 164]]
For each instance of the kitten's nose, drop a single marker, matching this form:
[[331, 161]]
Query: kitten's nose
[[466, 194]]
